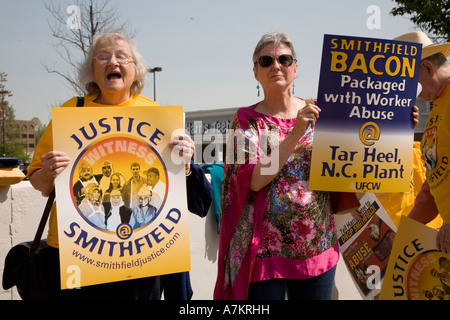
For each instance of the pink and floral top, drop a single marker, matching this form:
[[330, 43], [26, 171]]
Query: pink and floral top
[[284, 230]]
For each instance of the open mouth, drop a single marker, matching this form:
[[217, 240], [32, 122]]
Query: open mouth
[[114, 76]]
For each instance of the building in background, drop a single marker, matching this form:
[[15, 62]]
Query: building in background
[[209, 130]]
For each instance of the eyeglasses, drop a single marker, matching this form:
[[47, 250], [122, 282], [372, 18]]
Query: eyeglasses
[[121, 57], [286, 60]]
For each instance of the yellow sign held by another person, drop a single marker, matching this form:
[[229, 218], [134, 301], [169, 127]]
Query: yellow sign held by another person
[[416, 269]]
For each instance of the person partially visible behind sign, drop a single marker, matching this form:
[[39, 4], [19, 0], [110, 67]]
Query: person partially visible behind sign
[[434, 77]]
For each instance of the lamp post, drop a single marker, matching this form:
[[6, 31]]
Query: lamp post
[[154, 71], [3, 107]]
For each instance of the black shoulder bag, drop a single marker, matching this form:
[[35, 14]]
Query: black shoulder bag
[[27, 264]]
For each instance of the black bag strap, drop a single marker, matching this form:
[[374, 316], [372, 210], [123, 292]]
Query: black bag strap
[[80, 101], [48, 206], [45, 215]]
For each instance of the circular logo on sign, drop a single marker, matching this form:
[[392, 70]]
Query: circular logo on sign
[[124, 231], [119, 181], [428, 277], [369, 133]]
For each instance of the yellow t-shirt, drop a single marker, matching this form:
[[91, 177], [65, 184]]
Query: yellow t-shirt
[[436, 153], [45, 145], [401, 203]]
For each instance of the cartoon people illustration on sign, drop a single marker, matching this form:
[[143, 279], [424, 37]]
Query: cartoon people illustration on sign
[[105, 176], [117, 213], [428, 277], [116, 182], [144, 212], [92, 201], [85, 176], [108, 196], [157, 186], [132, 186]]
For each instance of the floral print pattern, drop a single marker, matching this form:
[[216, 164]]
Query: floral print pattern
[[295, 223], [303, 217]]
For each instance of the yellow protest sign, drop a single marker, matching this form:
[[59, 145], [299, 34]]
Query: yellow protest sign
[[121, 203], [363, 138], [416, 270]]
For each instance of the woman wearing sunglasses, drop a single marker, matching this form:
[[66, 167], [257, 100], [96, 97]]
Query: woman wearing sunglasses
[[277, 237], [114, 74]]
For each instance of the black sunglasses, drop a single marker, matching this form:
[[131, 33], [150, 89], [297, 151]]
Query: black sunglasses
[[286, 60]]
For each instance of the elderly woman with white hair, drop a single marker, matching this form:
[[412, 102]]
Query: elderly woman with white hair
[[114, 75], [277, 237]]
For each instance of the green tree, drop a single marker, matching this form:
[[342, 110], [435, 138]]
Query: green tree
[[89, 18], [39, 129], [432, 16], [11, 133], [14, 145]]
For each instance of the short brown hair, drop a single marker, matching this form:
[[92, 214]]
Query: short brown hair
[[437, 59]]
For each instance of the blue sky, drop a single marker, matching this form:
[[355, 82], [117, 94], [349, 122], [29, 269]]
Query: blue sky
[[204, 47]]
